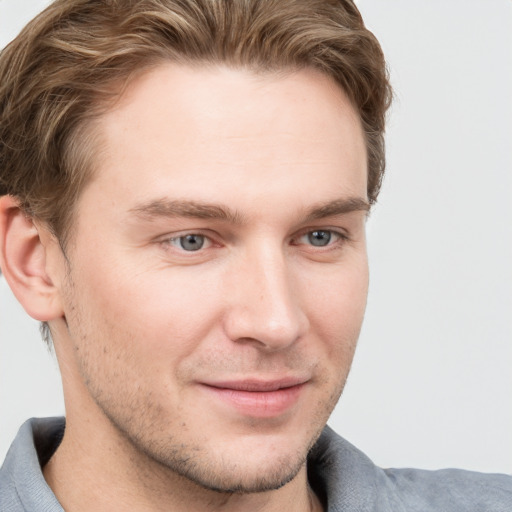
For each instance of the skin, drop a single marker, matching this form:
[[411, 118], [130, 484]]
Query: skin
[[152, 338]]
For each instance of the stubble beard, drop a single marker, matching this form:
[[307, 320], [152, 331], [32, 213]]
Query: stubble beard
[[160, 453], [157, 454], [193, 466]]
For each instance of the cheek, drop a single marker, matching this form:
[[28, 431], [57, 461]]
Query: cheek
[[337, 306], [169, 310]]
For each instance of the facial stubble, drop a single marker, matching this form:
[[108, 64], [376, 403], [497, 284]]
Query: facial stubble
[[158, 454]]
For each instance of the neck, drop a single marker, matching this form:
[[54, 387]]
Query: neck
[[92, 473]]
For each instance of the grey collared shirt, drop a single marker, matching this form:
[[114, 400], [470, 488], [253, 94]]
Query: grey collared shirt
[[342, 476]]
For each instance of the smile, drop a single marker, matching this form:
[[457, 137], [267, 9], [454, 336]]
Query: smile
[[258, 399]]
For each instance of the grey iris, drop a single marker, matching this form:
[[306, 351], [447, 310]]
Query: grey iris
[[319, 238], [192, 242]]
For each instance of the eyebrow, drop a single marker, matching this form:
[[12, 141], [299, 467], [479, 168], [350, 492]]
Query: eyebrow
[[338, 207], [190, 209], [199, 210]]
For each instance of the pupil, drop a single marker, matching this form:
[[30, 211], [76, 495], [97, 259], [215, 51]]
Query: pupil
[[192, 242], [319, 238]]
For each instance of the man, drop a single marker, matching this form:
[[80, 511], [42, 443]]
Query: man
[[185, 187]]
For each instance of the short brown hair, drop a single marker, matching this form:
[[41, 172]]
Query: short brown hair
[[70, 60]]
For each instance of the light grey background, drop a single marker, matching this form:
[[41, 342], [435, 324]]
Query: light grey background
[[432, 379]]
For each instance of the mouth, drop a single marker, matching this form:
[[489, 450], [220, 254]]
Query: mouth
[[258, 398]]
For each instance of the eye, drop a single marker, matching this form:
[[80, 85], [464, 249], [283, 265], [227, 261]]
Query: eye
[[190, 243], [319, 238]]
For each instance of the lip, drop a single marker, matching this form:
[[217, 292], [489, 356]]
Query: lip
[[258, 398]]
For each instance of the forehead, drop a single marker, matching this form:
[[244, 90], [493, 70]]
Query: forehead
[[198, 131]]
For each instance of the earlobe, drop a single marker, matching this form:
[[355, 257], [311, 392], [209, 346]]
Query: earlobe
[[23, 260]]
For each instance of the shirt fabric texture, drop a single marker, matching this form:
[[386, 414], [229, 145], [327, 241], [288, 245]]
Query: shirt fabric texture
[[342, 476]]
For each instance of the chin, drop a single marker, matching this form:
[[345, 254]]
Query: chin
[[241, 466], [248, 477]]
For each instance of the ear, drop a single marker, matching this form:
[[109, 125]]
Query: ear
[[24, 249]]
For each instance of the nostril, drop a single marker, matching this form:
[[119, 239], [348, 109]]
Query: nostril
[[270, 331]]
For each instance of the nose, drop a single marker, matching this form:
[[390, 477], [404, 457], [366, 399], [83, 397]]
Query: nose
[[264, 306]]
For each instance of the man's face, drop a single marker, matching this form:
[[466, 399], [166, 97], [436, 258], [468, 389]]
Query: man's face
[[217, 273]]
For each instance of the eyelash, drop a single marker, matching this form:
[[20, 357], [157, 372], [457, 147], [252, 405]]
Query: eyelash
[[339, 238], [178, 240], [336, 239]]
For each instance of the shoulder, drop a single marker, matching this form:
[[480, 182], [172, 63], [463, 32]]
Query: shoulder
[[348, 480], [9, 499], [22, 484], [451, 490]]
